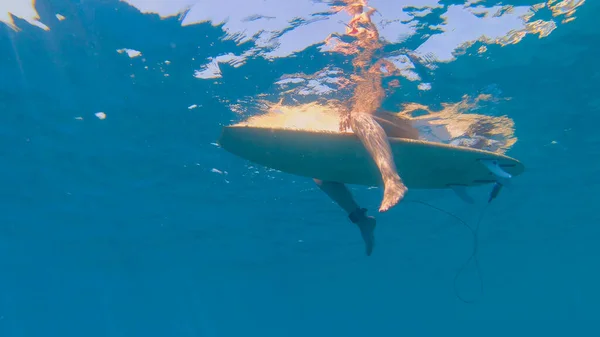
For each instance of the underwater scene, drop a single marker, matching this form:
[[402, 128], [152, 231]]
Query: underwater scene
[[299, 168]]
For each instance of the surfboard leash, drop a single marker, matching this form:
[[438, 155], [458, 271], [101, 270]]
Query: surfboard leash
[[473, 256]]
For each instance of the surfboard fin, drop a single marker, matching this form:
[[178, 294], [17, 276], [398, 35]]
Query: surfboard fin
[[495, 190], [502, 176], [461, 191]]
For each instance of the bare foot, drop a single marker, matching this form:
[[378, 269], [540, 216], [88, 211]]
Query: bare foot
[[393, 192], [367, 229]]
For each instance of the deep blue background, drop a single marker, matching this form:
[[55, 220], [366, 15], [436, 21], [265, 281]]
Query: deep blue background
[[119, 227]]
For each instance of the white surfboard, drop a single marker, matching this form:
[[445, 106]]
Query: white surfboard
[[341, 157]]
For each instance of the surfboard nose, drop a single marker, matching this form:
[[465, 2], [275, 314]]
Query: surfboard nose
[[227, 139]]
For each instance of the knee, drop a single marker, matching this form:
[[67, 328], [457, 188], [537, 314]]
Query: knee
[[318, 182]]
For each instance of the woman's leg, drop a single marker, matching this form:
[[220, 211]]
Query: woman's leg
[[375, 141], [339, 193]]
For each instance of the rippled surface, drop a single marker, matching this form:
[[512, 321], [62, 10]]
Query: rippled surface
[[120, 216]]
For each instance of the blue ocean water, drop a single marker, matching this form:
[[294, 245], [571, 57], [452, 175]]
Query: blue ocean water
[[138, 225]]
